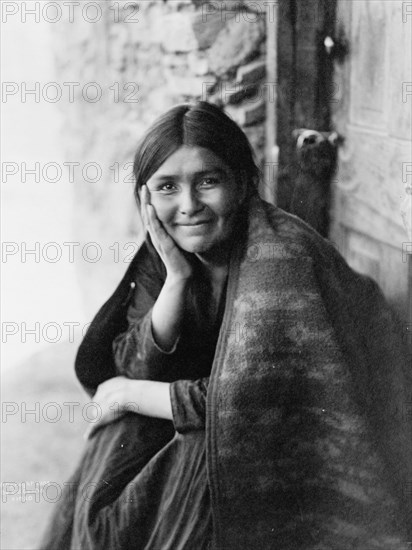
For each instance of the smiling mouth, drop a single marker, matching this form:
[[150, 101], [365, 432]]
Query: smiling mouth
[[194, 224]]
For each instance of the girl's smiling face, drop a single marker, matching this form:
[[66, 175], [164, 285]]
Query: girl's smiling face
[[196, 197]]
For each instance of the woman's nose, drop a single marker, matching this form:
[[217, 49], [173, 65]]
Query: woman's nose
[[190, 203]]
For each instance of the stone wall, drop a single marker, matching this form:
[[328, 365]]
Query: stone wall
[[143, 60]]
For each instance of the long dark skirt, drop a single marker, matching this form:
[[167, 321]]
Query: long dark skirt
[[139, 485]]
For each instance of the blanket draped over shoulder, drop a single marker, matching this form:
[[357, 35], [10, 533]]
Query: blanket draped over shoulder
[[306, 447]]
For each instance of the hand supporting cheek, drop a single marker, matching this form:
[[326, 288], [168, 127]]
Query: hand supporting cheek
[[178, 267]]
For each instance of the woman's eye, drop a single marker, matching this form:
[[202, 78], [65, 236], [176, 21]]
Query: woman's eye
[[166, 187], [209, 181]]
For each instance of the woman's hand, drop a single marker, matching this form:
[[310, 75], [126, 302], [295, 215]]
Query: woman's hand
[[113, 399], [178, 267], [119, 395]]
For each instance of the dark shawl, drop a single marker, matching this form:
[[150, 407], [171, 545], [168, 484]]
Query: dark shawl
[[304, 450]]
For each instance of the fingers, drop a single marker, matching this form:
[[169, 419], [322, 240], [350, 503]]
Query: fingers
[[107, 418], [89, 432], [162, 241], [152, 223], [109, 404], [149, 217], [155, 225], [145, 200], [93, 428]]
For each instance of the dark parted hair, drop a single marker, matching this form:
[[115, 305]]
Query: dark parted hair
[[198, 124]]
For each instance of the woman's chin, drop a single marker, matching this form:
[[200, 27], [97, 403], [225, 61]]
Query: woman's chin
[[196, 246]]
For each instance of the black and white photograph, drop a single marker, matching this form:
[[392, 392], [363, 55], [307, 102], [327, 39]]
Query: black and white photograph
[[206, 275]]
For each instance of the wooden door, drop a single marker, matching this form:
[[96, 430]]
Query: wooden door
[[360, 89], [372, 113]]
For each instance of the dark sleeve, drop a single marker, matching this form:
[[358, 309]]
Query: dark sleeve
[[94, 361], [136, 353], [188, 401]]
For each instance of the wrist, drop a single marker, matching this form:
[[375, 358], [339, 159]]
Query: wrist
[[178, 280], [132, 396], [150, 398]]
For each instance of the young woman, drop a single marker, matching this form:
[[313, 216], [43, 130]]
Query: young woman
[[231, 366], [193, 175]]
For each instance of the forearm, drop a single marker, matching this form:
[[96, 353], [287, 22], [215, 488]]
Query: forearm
[[149, 398], [168, 311], [157, 309], [183, 401]]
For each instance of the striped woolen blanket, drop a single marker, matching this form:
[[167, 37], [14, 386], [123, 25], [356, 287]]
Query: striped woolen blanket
[[303, 443]]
